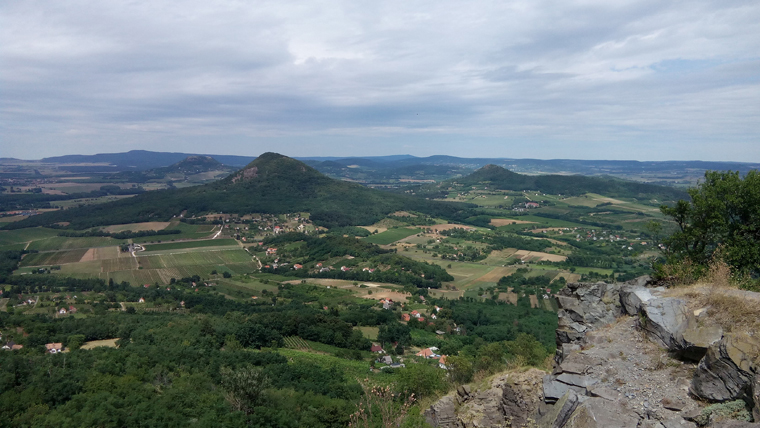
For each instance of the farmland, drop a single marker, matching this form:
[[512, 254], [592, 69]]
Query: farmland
[[392, 235], [191, 244]]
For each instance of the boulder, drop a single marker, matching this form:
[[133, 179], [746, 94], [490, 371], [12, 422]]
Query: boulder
[[442, 413], [727, 372], [664, 322], [580, 381], [600, 413], [632, 297], [564, 349], [697, 338], [560, 412], [554, 389]]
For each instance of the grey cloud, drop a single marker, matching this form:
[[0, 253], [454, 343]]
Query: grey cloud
[[582, 79]]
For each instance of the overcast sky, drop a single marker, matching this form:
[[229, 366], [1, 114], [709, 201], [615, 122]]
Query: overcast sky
[[579, 79]]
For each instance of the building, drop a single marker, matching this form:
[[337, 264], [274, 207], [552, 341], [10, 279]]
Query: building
[[54, 348]]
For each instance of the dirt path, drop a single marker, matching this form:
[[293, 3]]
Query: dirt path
[[625, 362], [221, 228]]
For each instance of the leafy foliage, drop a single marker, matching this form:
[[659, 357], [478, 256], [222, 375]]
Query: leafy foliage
[[723, 215]]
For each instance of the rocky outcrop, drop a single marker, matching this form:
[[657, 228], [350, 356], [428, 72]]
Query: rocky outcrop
[[729, 370], [601, 413], [608, 374], [443, 413], [589, 383], [509, 401]]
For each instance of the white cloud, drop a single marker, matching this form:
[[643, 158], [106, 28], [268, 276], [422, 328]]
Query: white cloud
[[581, 79]]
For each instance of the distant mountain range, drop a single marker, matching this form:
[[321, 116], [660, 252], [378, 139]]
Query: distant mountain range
[[497, 177], [271, 183], [405, 167]]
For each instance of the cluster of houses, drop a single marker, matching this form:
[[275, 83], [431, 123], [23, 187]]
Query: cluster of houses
[[427, 353], [418, 316], [11, 346]]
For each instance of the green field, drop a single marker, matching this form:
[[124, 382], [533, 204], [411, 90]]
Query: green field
[[189, 231], [151, 268], [191, 244], [352, 369], [53, 258], [391, 235]]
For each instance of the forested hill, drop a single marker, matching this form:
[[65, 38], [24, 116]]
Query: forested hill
[[188, 166], [500, 178], [272, 183]]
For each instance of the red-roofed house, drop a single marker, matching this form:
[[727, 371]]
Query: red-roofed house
[[427, 353], [54, 348], [377, 348], [442, 362], [405, 317]]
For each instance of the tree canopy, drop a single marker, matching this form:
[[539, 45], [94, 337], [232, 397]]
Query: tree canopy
[[723, 215]]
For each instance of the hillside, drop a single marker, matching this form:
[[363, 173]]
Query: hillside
[[272, 183], [191, 165], [501, 178]]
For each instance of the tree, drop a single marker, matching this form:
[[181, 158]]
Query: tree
[[724, 212], [244, 387], [75, 341], [421, 380]]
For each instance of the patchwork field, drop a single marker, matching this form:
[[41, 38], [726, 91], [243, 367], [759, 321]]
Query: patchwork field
[[53, 258], [535, 256], [109, 263], [191, 244], [138, 227], [505, 221], [391, 235]]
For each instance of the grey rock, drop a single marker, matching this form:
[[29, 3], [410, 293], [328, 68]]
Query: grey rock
[[665, 321], [558, 415], [564, 335], [483, 409], [727, 370], [600, 413], [677, 422], [442, 414], [632, 297], [463, 391], [651, 423], [554, 389], [640, 281], [581, 381], [573, 368], [697, 338], [673, 404], [604, 392], [590, 304], [734, 424]]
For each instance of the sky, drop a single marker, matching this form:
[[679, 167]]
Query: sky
[[547, 79]]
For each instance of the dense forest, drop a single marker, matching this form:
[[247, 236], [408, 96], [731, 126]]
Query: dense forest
[[217, 361]]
